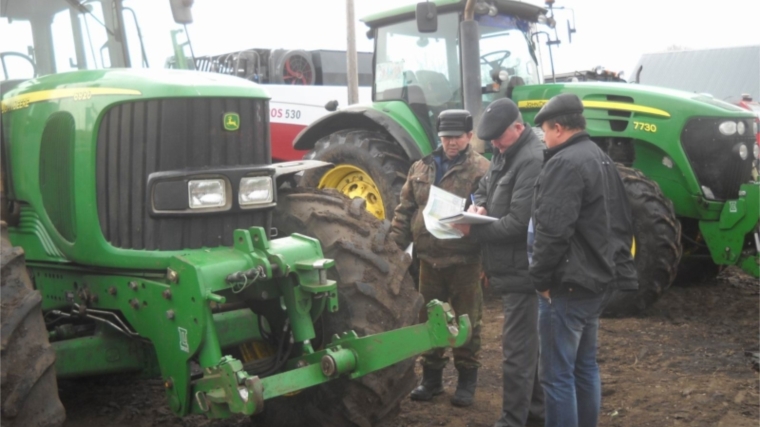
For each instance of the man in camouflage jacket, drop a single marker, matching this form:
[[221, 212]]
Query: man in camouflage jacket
[[449, 269]]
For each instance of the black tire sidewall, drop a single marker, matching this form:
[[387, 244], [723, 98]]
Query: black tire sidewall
[[353, 150]]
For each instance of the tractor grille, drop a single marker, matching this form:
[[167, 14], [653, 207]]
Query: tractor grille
[[136, 139], [714, 158]]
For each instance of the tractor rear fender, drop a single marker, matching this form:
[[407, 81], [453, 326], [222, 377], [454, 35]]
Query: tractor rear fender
[[409, 134]]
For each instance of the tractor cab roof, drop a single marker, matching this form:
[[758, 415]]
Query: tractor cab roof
[[526, 11], [27, 9]]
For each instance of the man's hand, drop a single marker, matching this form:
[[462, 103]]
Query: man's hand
[[546, 295], [480, 210], [464, 228]]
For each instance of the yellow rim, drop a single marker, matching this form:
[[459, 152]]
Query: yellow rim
[[633, 248], [354, 182]]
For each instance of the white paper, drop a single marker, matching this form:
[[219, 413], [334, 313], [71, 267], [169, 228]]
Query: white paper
[[468, 218], [442, 204]]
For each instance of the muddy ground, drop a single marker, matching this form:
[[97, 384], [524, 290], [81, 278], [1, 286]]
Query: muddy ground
[[686, 361]]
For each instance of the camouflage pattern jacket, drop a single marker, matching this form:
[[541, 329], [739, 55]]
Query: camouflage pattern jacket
[[408, 225]]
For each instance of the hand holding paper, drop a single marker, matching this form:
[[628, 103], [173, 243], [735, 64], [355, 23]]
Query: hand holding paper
[[444, 208]]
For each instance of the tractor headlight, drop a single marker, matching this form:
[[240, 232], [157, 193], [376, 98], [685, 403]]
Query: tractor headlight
[[741, 150], [206, 193], [255, 190], [754, 127], [756, 151], [727, 128], [740, 127]]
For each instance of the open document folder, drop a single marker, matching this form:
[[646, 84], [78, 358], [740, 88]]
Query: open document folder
[[444, 205]]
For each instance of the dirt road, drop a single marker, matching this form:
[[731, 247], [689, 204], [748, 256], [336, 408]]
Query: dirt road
[[684, 362]]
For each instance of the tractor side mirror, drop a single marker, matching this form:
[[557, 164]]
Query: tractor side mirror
[[181, 11], [427, 17]]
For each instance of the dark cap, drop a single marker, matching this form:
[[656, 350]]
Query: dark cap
[[454, 122], [560, 105], [497, 118]]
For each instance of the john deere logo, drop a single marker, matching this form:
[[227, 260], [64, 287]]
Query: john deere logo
[[231, 121]]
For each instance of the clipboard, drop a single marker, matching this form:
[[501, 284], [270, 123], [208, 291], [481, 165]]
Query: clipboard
[[467, 218]]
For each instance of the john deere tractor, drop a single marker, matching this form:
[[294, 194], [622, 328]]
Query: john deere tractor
[[686, 159], [145, 230]]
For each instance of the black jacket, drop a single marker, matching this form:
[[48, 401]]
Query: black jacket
[[582, 219], [506, 191]]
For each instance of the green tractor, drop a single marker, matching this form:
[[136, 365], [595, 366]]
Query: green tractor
[[686, 159], [141, 214]]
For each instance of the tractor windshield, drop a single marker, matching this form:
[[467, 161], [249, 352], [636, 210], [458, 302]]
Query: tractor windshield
[[506, 56], [424, 70], [54, 36], [419, 68]]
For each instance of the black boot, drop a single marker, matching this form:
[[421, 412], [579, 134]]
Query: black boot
[[431, 385], [468, 380]]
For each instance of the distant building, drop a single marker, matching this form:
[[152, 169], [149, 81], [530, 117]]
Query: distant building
[[726, 74]]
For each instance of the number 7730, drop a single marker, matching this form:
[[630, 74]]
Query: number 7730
[[646, 127]]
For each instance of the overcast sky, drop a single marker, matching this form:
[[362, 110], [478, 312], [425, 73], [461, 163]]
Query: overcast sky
[[610, 33]]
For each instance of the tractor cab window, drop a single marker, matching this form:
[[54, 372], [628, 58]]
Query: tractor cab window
[[42, 38], [420, 69], [16, 55], [506, 56]]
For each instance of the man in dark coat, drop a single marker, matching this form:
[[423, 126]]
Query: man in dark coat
[[449, 269], [580, 253], [506, 192]]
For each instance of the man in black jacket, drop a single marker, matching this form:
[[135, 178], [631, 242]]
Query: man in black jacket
[[506, 192], [580, 253]]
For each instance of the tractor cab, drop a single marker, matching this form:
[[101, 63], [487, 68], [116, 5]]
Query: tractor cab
[[424, 69], [48, 37]]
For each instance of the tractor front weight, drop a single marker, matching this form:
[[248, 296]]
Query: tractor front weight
[[206, 304], [727, 237], [227, 388]]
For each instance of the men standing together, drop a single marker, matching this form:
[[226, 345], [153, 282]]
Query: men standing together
[[449, 269], [560, 246]]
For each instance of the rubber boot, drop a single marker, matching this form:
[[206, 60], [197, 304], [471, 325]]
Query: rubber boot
[[466, 383], [431, 385]]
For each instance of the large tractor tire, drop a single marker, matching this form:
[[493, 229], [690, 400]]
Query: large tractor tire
[[375, 295], [29, 389], [367, 164], [657, 235]]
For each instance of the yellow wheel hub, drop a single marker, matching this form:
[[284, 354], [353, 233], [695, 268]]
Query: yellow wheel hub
[[355, 182]]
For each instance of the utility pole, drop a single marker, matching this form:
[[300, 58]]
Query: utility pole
[[352, 74]]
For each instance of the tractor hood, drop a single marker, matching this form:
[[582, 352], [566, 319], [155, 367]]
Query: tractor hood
[[639, 98], [129, 82]]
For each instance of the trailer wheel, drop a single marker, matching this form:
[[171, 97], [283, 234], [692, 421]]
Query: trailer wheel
[[368, 164], [658, 244], [375, 295], [29, 388]]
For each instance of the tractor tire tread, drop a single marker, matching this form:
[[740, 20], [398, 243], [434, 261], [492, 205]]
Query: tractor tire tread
[[658, 243], [29, 387], [375, 295], [387, 159]]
